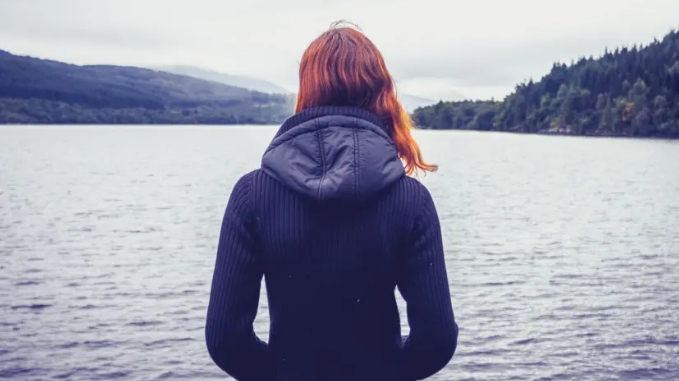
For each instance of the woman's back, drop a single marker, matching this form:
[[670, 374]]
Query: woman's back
[[334, 225]]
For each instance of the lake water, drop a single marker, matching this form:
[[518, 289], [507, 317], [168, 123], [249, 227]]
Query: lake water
[[563, 253]]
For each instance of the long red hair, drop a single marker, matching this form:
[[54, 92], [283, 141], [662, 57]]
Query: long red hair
[[343, 67]]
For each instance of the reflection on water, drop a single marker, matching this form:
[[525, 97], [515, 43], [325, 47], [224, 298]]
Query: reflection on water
[[562, 252]]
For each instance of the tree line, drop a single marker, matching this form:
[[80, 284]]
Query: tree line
[[626, 92]]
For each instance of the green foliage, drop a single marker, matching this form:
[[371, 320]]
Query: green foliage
[[629, 92], [41, 91]]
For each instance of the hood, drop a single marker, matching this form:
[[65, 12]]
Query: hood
[[333, 152]]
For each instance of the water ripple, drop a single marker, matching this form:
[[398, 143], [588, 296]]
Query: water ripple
[[31, 307], [562, 252]]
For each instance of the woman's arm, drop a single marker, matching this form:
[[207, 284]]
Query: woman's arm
[[231, 340], [424, 286]]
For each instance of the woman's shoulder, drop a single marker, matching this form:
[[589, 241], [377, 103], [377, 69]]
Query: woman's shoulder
[[245, 181], [410, 196], [242, 188], [415, 187], [254, 182]]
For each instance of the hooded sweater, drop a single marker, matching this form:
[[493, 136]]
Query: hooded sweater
[[334, 226]]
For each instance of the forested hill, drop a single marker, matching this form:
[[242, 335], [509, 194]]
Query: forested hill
[[41, 91], [244, 82], [627, 92]]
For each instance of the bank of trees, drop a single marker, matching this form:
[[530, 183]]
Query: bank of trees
[[626, 92]]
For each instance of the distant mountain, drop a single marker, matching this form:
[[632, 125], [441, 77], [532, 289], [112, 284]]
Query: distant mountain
[[627, 92], [249, 83], [42, 91], [412, 102]]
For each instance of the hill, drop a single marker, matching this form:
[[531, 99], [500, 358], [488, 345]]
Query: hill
[[249, 83], [627, 92], [412, 102], [42, 91]]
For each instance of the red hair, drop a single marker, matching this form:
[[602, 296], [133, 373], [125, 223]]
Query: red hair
[[343, 67]]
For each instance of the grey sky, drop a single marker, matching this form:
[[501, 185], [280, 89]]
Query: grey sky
[[436, 49]]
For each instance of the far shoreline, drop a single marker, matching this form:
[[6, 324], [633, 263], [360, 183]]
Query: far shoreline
[[257, 125]]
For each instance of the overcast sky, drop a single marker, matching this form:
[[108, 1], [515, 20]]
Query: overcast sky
[[435, 49]]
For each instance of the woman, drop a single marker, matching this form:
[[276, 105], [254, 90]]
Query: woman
[[335, 225]]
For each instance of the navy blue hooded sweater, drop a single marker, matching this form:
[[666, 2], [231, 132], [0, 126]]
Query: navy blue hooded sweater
[[334, 225]]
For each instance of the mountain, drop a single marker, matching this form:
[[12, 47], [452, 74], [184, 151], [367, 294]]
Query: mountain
[[42, 91], [249, 83], [627, 92], [412, 102]]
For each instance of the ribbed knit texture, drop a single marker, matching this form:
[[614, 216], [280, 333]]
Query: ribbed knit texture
[[331, 269]]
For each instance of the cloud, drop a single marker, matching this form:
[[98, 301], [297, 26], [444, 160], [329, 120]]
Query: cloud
[[479, 48]]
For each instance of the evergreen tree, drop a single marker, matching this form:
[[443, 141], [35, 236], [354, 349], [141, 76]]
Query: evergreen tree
[[607, 116]]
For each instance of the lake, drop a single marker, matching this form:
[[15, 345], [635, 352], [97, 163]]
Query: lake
[[562, 252]]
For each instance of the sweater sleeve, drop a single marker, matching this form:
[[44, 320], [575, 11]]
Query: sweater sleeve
[[231, 340], [423, 284]]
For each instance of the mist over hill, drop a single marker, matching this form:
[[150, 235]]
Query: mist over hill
[[245, 82], [410, 102]]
